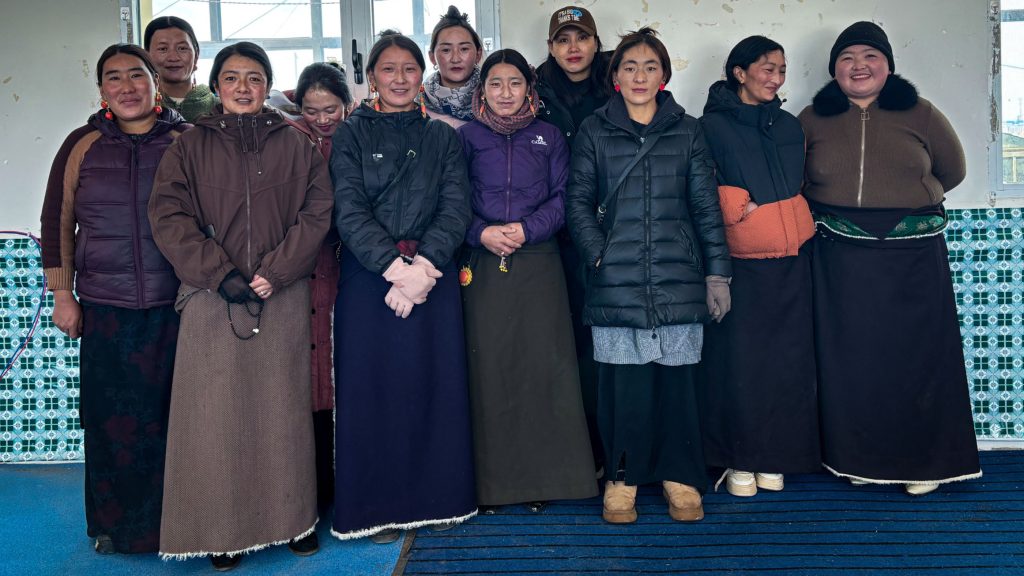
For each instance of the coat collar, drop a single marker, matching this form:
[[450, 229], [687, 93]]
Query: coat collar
[[898, 94], [615, 113]]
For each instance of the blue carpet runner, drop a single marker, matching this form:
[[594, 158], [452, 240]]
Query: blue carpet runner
[[819, 525]]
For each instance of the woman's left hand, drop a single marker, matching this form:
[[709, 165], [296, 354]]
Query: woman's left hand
[[261, 286], [518, 235]]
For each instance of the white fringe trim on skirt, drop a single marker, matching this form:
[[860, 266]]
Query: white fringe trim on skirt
[[880, 481], [190, 555], [406, 526]]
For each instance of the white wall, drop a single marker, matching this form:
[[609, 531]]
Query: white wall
[[942, 46], [48, 51]]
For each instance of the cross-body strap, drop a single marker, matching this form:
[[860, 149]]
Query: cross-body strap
[[646, 145]]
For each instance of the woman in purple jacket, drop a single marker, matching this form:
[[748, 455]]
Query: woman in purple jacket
[[529, 432]]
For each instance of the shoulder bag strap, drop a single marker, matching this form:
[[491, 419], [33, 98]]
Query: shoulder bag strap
[[648, 143]]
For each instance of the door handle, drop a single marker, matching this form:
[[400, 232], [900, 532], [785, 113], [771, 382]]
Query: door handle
[[357, 63]]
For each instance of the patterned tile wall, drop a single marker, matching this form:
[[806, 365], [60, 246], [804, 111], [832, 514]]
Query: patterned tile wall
[[39, 396]]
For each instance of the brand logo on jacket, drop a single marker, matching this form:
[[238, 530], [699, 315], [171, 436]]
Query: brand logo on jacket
[[539, 140]]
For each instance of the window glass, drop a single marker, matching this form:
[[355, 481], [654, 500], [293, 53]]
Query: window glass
[[1012, 98], [400, 15], [197, 14], [266, 19]]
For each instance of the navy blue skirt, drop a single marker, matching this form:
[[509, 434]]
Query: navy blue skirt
[[403, 450]]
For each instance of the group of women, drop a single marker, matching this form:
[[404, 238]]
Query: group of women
[[580, 280]]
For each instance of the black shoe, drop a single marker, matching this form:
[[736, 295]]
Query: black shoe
[[223, 562], [536, 507], [305, 546], [386, 536], [104, 545]]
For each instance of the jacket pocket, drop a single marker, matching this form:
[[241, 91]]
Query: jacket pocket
[[691, 249]]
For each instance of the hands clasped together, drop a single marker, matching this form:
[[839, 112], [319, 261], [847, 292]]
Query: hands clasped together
[[502, 240], [236, 290], [410, 283]]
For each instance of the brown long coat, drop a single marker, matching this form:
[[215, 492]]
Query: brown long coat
[[240, 469]]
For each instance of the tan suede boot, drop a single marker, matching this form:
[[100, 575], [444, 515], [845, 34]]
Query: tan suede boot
[[619, 503], [684, 502]]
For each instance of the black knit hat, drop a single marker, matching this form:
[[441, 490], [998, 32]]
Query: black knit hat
[[867, 33]]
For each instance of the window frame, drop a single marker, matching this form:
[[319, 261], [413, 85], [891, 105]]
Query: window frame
[[1000, 189]]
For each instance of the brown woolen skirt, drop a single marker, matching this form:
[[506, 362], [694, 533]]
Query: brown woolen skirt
[[529, 432], [240, 471]]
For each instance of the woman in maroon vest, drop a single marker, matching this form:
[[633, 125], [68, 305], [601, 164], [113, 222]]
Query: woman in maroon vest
[[97, 243]]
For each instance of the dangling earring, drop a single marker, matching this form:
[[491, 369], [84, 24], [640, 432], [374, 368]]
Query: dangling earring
[[107, 114], [483, 104], [662, 87], [423, 102], [375, 98], [618, 88], [158, 108], [533, 110]]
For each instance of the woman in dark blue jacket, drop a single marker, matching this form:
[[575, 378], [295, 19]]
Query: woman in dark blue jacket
[[530, 434], [760, 403], [403, 453], [643, 210]]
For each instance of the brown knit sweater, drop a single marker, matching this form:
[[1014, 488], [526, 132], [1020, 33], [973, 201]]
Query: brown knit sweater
[[909, 158]]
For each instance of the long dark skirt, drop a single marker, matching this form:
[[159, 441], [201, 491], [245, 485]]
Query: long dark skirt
[[127, 361], [403, 450], [650, 424], [757, 376], [893, 389], [529, 433], [574, 273]]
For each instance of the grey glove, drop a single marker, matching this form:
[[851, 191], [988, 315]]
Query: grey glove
[[719, 300]]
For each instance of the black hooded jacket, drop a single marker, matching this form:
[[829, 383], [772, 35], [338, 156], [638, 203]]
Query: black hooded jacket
[[663, 232], [555, 105]]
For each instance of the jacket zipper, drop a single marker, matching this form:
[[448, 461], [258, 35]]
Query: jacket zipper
[[864, 117], [397, 219], [647, 240], [508, 178], [248, 202], [137, 242]]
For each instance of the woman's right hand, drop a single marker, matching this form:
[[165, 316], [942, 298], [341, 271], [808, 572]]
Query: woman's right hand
[[750, 207], [496, 239], [67, 313]]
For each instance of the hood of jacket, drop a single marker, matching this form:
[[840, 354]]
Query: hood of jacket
[[723, 99], [616, 114], [897, 94]]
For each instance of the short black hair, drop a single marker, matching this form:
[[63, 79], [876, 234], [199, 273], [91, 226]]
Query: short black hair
[[131, 50], [163, 22], [453, 17], [389, 38], [511, 57], [323, 75], [246, 49], [649, 37], [748, 51]]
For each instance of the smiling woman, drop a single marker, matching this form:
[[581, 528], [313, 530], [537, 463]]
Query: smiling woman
[[173, 46], [240, 209]]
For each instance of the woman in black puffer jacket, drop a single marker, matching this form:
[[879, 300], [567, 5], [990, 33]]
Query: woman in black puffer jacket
[[658, 266]]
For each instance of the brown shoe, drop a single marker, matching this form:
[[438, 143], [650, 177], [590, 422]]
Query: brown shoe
[[619, 503], [684, 504]]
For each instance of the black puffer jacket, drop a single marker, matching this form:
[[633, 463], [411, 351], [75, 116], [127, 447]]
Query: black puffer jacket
[[663, 232], [553, 87], [429, 204]]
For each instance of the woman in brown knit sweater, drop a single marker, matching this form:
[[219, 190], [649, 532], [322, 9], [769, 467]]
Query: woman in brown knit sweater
[[894, 405]]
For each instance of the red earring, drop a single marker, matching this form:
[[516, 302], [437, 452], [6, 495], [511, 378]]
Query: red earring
[[158, 108], [108, 114], [423, 102], [662, 87], [533, 110], [618, 88]]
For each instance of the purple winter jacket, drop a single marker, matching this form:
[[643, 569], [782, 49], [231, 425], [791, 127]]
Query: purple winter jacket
[[516, 178]]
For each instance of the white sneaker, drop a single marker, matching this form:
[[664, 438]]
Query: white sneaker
[[771, 482], [918, 489], [858, 482], [740, 483]]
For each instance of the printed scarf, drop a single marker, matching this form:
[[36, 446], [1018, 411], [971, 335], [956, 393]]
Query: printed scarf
[[457, 103], [504, 124]]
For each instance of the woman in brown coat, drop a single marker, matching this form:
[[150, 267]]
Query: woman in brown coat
[[240, 210]]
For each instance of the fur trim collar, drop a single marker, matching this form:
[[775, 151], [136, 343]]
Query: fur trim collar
[[897, 94]]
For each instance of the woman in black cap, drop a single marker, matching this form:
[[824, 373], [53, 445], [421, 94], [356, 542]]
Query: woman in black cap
[[892, 385]]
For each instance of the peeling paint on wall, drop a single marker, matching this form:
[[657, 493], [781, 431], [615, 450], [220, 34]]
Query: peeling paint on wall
[[646, 6], [679, 64], [16, 97], [727, 8], [85, 68], [8, 79]]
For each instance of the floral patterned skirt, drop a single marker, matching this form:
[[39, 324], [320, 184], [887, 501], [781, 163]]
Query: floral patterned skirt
[[127, 359]]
